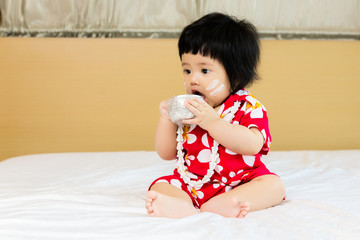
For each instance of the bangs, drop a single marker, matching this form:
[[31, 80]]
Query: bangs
[[205, 40]]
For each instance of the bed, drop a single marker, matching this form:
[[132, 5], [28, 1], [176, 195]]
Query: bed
[[100, 195]]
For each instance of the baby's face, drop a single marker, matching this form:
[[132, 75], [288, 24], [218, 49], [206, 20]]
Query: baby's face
[[206, 77]]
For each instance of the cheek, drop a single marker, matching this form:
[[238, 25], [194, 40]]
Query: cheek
[[212, 85], [217, 90], [187, 88]]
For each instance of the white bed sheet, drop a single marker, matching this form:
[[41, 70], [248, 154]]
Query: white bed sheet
[[101, 196]]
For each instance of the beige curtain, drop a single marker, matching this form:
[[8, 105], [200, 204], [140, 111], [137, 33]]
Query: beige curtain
[[166, 18]]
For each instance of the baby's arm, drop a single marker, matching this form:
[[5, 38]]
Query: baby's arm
[[236, 138], [165, 135]]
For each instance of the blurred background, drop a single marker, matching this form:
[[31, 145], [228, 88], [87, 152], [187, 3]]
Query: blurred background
[[88, 75], [281, 19]]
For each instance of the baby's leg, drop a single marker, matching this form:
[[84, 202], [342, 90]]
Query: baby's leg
[[260, 193], [226, 206], [166, 200]]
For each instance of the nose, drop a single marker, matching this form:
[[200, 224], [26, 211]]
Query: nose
[[194, 79]]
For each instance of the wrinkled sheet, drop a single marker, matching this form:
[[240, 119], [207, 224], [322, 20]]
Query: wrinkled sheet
[[101, 196]]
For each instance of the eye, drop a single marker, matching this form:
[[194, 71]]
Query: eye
[[205, 71], [187, 71]]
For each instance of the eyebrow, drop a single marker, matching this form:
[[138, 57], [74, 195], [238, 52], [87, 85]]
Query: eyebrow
[[201, 63]]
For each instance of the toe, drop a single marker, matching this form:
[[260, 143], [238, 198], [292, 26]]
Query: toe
[[246, 206], [150, 210], [152, 195], [242, 214]]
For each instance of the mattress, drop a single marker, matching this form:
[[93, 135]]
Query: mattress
[[101, 196]]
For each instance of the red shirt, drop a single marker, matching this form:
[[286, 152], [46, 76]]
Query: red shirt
[[233, 167]]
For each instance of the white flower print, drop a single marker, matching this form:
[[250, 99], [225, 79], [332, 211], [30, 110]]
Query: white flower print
[[191, 175], [192, 127], [216, 185], [243, 108], [191, 138], [242, 92], [204, 156], [200, 194], [188, 159], [221, 109], [162, 180], [257, 113], [251, 100], [249, 160], [226, 112], [230, 152], [175, 183], [205, 140], [195, 192], [235, 183], [218, 168], [264, 133]]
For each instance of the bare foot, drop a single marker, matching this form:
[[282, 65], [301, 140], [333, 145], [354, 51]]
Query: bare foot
[[227, 207], [159, 205]]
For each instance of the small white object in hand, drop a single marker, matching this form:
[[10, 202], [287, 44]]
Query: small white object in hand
[[177, 110]]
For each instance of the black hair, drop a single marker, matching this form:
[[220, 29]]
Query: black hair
[[234, 43]]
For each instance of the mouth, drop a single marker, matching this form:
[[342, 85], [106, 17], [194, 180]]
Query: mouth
[[195, 92]]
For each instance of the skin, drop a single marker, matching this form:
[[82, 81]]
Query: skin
[[262, 192], [212, 85]]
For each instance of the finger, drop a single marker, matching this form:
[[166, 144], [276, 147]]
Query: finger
[[191, 121], [198, 100], [200, 104], [163, 109], [193, 102], [192, 108]]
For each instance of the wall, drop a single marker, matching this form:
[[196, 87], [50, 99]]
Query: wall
[[72, 95]]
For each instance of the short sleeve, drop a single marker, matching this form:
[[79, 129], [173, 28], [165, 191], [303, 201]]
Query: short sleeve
[[255, 115]]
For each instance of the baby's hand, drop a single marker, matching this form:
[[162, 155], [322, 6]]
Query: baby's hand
[[163, 110], [205, 115]]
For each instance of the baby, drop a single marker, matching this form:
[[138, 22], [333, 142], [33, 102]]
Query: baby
[[218, 152]]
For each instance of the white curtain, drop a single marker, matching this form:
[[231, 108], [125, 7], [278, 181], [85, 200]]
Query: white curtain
[[166, 18]]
